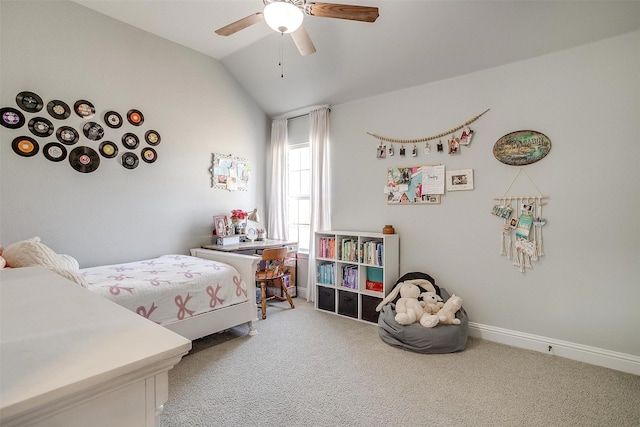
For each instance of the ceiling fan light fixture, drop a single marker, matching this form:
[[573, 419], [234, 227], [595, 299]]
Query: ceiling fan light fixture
[[283, 17]]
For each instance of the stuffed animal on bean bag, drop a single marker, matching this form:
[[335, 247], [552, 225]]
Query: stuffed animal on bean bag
[[446, 315], [432, 302], [408, 308]]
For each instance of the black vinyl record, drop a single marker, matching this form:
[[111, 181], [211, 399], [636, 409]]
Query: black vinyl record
[[129, 160], [108, 149], [113, 119], [149, 155], [135, 117], [11, 118], [39, 126], [93, 131], [58, 109], [25, 146], [130, 141], [54, 151], [84, 109], [29, 102], [84, 159], [67, 135], [152, 137]]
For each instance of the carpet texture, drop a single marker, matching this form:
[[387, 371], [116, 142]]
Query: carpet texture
[[310, 368]]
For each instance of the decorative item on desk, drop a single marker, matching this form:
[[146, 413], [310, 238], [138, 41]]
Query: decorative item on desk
[[220, 225], [238, 215], [253, 216], [228, 240], [238, 220], [262, 234], [251, 231]]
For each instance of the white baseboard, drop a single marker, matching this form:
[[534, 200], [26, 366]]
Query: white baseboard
[[582, 353]]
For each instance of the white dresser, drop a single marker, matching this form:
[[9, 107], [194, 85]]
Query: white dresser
[[72, 358]]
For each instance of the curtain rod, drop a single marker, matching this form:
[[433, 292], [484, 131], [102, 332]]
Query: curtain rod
[[303, 115]]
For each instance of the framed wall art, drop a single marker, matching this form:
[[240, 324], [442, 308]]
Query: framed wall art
[[229, 172], [461, 179], [521, 148]]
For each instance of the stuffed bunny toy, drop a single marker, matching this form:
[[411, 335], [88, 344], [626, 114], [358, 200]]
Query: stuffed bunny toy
[[408, 308]]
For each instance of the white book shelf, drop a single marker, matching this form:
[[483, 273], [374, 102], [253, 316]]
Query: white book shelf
[[355, 270]]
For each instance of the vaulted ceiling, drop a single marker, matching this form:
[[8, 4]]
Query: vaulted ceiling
[[411, 43]]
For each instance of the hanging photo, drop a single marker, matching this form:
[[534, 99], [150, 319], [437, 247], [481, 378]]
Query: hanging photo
[[402, 151], [454, 145], [391, 153], [465, 138], [414, 152], [381, 151], [502, 211]]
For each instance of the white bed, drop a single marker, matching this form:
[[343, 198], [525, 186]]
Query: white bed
[[178, 291], [194, 296]]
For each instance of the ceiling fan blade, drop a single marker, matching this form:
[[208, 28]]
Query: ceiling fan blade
[[303, 41], [240, 24], [343, 11]]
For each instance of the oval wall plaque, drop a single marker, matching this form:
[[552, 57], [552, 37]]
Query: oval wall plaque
[[521, 147]]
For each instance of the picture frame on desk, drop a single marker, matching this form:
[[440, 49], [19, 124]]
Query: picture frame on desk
[[220, 225]]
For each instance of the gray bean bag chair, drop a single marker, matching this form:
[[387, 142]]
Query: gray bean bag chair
[[417, 338]]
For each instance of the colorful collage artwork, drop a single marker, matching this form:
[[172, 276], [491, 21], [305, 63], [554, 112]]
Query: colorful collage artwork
[[229, 172], [415, 184]]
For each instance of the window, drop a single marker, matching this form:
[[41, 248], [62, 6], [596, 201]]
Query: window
[[298, 194]]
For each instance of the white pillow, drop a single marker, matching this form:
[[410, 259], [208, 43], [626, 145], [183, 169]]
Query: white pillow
[[33, 252]]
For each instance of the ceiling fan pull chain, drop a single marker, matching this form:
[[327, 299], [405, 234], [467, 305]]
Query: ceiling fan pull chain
[[281, 58]]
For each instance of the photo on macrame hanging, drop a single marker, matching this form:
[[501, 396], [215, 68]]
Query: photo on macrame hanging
[[524, 226]]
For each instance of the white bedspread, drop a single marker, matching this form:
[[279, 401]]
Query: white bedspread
[[168, 288]]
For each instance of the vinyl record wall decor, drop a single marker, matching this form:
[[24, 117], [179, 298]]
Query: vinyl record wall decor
[[79, 132]]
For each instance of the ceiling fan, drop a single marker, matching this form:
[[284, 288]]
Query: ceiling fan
[[286, 16]]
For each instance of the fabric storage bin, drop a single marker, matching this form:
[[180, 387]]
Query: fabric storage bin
[[326, 298], [369, 305], [348, 303]]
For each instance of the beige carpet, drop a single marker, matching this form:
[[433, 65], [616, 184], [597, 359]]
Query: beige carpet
[[309, 368]]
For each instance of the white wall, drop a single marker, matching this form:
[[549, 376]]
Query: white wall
[[61, 50], [586, 289]]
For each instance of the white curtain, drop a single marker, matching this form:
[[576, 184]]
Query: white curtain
[[277, 203], [320, 186]]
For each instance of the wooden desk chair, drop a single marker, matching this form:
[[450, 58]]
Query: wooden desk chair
[[271, 270]]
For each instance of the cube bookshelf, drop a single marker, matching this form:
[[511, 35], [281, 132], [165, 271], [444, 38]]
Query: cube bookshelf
[[354, 271]]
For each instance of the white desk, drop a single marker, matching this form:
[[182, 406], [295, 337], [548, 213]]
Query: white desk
[[72, 358]]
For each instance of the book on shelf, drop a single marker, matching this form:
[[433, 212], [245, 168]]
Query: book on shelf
[[350, 276], [325, 273], [327, 247], [373, 286], [349, 250], [372, 253]]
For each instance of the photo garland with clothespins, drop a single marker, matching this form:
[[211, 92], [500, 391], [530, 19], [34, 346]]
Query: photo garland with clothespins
[[453, 145], [521, 234]]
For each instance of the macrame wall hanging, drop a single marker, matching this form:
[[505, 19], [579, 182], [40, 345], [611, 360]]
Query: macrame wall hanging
[[521, 234], [454, 143]]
